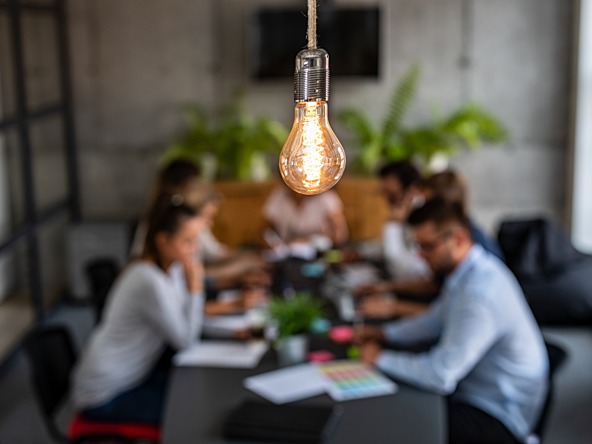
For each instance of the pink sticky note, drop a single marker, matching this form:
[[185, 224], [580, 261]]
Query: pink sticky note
[[342, 334], [320, 356]]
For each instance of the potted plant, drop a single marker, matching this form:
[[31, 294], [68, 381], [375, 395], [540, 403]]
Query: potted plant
[[293, 318], [231, 144], [468, 126]]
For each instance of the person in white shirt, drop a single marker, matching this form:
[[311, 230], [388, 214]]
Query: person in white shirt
[[399, 184], [156, 303], [297, 218], [409, 273]]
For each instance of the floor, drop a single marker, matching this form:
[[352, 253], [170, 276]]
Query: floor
[[570, 420]]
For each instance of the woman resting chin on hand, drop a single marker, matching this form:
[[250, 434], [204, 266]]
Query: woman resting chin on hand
[[155, 305]]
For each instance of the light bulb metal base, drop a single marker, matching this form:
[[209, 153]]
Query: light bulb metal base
[[311, 76]]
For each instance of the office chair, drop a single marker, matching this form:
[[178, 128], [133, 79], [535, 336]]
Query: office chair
[[52, 356], [557, 356], [101, 274]]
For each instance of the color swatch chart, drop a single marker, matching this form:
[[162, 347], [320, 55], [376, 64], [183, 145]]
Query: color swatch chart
[[352, 380]]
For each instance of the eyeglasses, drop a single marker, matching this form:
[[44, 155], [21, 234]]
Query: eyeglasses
[[430, 246]]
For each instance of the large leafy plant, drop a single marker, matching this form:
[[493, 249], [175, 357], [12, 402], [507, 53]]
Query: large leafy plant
[[236, 141], [469, 126], [294, 315]]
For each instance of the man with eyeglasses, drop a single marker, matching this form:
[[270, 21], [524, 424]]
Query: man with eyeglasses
[[489, 355]]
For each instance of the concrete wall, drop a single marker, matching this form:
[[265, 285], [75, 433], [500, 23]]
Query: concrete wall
[[136, 61]]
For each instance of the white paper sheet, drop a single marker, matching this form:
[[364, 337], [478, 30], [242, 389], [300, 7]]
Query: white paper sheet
[[224, 326], [222, 354], [288, 384]]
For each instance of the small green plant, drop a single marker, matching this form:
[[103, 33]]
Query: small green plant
[[294, 315], [469, 126], [233, 138]]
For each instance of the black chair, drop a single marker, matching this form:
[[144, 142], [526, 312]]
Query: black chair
[[101, 275], [554, 275], [52, 356], [557, 357]]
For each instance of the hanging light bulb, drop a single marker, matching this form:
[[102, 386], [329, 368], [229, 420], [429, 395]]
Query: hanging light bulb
[[312, 159]]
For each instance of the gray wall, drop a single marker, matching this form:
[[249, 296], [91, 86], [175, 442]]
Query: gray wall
[[136, 61]]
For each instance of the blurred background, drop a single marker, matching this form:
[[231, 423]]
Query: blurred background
[[94, 94]]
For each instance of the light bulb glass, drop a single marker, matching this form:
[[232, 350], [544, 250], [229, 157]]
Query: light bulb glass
[[312, 159]]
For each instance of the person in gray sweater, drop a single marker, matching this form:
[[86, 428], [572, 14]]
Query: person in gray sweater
[[156, 303]]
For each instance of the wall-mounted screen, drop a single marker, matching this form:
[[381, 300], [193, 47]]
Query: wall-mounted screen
[[350, 35]]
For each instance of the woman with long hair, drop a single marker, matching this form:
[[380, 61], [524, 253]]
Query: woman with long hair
[[156, 305]]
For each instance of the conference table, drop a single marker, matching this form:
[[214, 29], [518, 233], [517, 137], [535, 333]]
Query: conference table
[[199, 399]]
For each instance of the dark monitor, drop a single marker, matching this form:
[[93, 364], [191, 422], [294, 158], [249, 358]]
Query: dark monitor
[[351, 36]]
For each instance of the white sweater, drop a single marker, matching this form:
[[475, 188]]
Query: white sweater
[[146, 310], [401, 258]]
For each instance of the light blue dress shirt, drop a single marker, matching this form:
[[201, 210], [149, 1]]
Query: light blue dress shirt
[[490, 351]]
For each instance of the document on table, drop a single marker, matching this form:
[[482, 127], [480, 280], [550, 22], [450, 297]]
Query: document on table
[[224, 326], [222, 354], [288, 384]]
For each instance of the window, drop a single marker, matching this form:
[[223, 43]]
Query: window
[[37, 161]]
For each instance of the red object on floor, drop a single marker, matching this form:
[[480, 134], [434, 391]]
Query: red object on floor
[[81, 428]]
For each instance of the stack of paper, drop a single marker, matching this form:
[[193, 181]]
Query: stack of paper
[[288, 384], [222, 354]]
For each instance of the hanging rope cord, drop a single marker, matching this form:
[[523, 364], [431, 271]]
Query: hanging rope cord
[[312, 24]]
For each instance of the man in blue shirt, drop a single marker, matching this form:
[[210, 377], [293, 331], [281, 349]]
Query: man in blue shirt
[[489, 357]]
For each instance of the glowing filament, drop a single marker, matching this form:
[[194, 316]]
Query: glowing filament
[[312, 159]]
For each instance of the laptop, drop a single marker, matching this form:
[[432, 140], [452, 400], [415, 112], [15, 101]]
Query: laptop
[[257, 421]]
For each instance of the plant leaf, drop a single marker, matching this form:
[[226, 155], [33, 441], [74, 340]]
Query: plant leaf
[[295, 315], [403, 95]]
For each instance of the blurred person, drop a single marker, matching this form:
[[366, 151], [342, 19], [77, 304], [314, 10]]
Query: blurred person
[[180, 177], [297, 218], [399, 182], [224, 268], [451, 186], [408, 273], [489, 358], [156, 304]]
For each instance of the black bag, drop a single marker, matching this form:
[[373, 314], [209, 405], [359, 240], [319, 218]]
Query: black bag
[[256, 421], [555, 276]]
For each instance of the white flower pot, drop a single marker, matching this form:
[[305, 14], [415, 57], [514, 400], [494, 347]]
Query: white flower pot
[[292, 350]]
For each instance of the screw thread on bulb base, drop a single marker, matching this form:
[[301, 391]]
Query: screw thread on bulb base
[[311, 76]]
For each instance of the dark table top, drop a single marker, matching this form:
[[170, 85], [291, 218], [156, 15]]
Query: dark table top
[[200, 399]]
